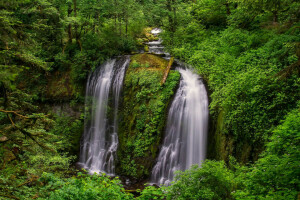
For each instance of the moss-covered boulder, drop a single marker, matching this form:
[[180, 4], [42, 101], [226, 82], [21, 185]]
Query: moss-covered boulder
[[143, 114]]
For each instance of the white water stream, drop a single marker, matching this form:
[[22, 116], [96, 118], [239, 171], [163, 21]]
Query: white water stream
[[100, 139], [186, 132]]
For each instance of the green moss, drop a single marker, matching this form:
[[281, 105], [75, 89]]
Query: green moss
[[222, 144], [146, 48], [155, 62], [143, 113], [59, 86]]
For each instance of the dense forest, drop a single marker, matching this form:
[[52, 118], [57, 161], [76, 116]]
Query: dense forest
[[246, 51]]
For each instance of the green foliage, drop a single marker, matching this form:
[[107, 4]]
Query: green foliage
[[212, 181], [245, 71], [276, 174], [43, 146], [210, 13], [70, 131], [128, 165], [87, 187], [248, 51], [151, 192]]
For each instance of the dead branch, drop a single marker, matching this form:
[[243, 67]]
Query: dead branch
[[12, 122], [26, 133], [9, 196], [167, 71], [13, 112], [37, 142], [32, 179], [288, 71], [78, 41]]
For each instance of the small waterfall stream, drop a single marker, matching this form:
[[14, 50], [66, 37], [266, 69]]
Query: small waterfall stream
[[185, 138], [100, 138], [156, 47]]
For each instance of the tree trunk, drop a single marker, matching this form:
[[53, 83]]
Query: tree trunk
[[227, 8], [115, 15], [120, 24], [126, 25], [167, 70], [174, 18], [70, 26], [169, 7], [275, 17], [75, 15]]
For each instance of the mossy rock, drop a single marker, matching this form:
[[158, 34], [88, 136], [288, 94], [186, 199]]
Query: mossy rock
[[155, 62], [143, 114], [140, 42]]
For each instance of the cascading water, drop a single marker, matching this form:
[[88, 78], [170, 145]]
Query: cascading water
[[100, 138], [186, 132], [156, 47]]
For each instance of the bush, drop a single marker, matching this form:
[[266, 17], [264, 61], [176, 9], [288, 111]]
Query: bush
[[152, 192], [276, 175], [212, 181], [87, 187]]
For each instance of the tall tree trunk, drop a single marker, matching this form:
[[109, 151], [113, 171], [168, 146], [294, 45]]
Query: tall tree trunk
[[115, 15], [70, 26], [174, 17], [275, 17], [227, 8], [169, 8], [3, 93], [120, 25], [126, 26], [75, 15]]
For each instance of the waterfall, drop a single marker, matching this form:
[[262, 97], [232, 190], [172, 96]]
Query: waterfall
[[100, 139], [186, 130]]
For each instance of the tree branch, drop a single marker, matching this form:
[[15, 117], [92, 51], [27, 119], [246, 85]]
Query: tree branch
[[26, 133], [14, 112], [9, 196]]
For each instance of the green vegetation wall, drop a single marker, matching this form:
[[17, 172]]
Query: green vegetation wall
[[143, 114], [249, 55]]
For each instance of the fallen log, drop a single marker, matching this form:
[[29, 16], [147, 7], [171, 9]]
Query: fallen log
[[167, 71]]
